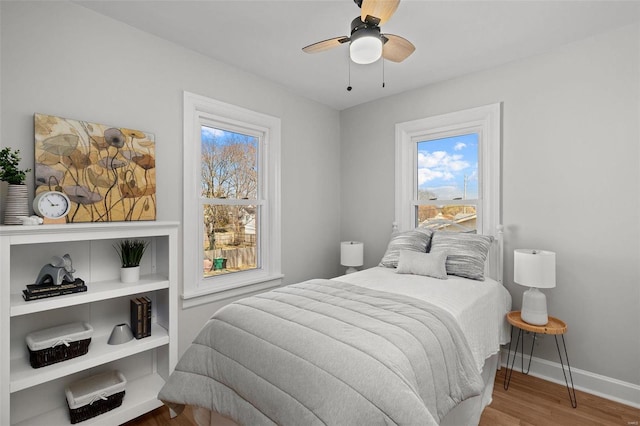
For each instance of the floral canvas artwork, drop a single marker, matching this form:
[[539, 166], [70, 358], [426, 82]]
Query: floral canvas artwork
[[107, 172]]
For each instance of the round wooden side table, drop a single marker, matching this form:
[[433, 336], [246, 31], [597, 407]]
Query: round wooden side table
[[555, 327]]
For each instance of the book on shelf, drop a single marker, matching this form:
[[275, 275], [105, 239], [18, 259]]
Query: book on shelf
[[147, 327], [144, 316], [140, 312], [136, 317], [44, 288], [26, 295]]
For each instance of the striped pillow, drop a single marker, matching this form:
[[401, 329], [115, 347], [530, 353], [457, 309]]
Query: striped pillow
[[466, 253], [415, 240]]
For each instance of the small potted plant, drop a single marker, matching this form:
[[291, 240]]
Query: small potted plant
[[130, 253], [17, 203]]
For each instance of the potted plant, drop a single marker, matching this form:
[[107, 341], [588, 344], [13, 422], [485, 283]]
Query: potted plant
[[130, 253], [17, 198]]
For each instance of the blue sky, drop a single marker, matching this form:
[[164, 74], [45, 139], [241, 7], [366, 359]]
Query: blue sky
[[221, 137], [209, 133], [444, 163]]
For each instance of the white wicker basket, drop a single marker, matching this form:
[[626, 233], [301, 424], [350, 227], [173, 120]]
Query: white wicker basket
[[95, 395], [57, 344]]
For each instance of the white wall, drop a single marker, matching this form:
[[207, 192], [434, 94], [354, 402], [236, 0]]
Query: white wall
[[570, 154], [571, 183], [62, 59]]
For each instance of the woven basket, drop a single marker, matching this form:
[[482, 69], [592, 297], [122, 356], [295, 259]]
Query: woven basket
[[95, 395], [101, 406], [59, 353], [58, 344]]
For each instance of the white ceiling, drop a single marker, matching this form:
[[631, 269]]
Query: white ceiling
[[452, 37]]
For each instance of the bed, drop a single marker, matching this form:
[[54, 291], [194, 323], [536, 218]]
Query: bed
[[414, 340]]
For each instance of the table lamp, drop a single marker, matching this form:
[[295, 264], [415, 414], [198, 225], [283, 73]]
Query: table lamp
[[351, 255], [535, 269]]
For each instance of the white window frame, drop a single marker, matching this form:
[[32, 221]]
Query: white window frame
[[484, 120], [199, 111]]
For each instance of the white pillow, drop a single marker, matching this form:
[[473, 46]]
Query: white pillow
[[428, 264]]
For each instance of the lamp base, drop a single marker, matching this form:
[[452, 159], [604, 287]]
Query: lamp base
[[351, 270], [534, 307]]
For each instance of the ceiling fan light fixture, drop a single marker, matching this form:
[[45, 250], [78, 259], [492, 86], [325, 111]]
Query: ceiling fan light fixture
[[365, 46], [366, 40]]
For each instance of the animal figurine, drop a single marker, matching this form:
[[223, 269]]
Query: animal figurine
[[57, 271]]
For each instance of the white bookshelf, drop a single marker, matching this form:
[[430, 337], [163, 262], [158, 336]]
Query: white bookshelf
[[31, 396]]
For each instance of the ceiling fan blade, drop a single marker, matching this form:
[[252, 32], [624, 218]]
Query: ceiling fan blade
[[321, 46], [381, 10], [396, 49]]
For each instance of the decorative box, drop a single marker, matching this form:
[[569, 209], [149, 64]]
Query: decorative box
[[60, 343], [95, 395]]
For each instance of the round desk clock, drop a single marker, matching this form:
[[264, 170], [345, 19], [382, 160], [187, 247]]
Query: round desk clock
[[53, 206]]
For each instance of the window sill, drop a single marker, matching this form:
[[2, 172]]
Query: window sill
[[212, 293]]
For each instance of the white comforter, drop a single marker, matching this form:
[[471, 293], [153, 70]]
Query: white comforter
[[326, 352], [479, 307]]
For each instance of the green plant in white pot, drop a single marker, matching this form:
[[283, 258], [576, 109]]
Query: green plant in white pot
[[130, 253], [17, 203]]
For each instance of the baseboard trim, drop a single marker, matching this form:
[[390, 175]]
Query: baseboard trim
[[586, 381]]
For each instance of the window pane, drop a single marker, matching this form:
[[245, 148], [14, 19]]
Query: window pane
[[230, 235], [229, 164], [448, 168], [457, 218]]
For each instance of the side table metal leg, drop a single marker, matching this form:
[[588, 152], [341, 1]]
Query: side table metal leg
[[533, 342], [509, 370], [572, 391]]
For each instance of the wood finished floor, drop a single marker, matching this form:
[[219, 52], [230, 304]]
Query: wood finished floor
[[528, 402]]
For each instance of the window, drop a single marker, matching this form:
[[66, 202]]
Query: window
[[448, 171], [447, 183], [231, 199], [231, 205]]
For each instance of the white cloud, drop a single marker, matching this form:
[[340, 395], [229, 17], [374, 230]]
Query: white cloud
[[456, 165], [459, 146], [427, 175], [439, 165]]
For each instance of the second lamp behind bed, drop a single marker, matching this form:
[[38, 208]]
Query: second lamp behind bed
[[351, 255]]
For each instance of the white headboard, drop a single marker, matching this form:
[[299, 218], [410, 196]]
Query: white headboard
[[494, 266]]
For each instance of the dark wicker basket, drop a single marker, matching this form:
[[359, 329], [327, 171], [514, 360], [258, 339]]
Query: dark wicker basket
[[58, 353], [100, 406]]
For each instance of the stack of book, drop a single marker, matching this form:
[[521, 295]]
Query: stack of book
[[41, 291], [141, 317]]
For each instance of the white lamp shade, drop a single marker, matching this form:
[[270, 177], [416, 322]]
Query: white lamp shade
[[534, 268], [365, 50], [351, 253]]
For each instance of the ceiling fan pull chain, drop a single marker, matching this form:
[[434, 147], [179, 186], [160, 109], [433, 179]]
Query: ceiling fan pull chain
[[383, 73], [349, 86]]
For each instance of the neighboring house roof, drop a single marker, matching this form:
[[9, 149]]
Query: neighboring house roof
[[441, 222]]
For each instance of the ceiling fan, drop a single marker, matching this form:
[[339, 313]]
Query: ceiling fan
[[366, 43]]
